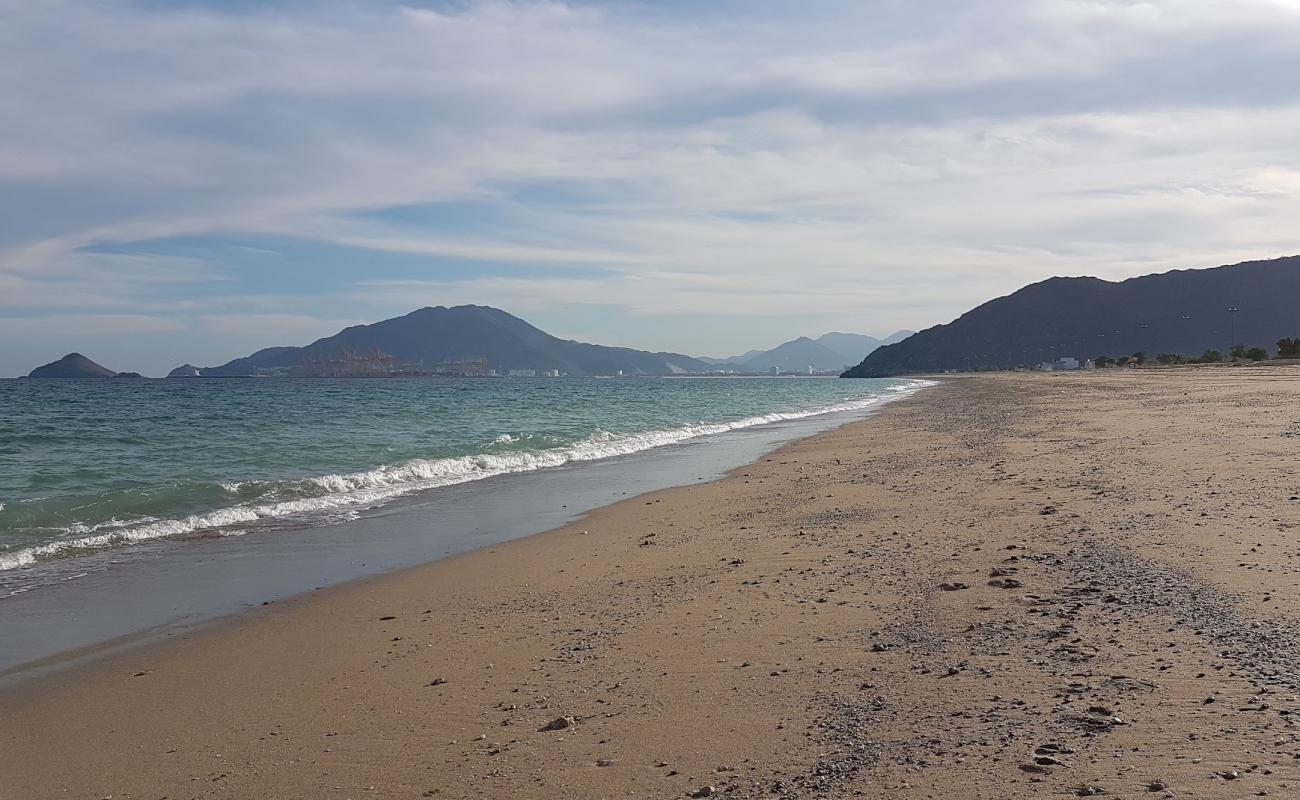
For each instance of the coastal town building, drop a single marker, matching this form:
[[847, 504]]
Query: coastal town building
[[1063, 364], [376, 363]]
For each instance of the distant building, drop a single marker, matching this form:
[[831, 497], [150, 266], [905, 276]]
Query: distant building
[[552, 373], [522, 373], [776, 370], [473, 367], [1063, 364], [375, 363]]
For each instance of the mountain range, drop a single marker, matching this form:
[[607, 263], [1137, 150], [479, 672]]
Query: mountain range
[[1183, 311], [439, 335], [830, 351], [478, 339]]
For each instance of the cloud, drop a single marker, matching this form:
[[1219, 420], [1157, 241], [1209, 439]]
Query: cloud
[[293, 327], [900, 161], [59, 324]]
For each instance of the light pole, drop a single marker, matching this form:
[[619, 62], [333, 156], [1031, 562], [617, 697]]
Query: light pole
[[1232, 328]]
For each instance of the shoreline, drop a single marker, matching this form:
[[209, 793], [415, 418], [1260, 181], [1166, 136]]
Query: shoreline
[[364, 488], [195, 582], [1009, 586]]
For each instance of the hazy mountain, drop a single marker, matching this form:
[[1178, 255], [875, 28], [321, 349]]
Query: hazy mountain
[[796, 356], [733, 361], [1184, 311], [851, 347], [430, 336], [830, 351], [73, 365]]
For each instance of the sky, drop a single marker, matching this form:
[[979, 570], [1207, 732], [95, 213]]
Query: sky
[[191, 181]]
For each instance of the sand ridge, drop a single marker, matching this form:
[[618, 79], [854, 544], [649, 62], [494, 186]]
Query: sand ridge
[[1006, 586]]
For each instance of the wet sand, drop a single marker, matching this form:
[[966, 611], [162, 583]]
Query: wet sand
[[1006, 586]]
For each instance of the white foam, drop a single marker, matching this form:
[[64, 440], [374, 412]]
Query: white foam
[[18, 558], [356, 490]]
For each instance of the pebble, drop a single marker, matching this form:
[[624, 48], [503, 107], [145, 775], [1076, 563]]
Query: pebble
[[559, 724]]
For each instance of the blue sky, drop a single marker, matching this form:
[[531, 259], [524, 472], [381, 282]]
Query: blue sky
[[190, 181]]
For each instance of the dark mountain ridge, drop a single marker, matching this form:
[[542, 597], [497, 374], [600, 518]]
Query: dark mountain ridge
[[436, 335], [1183, 311]]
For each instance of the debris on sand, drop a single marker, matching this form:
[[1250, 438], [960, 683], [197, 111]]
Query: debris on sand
[[559, 724]]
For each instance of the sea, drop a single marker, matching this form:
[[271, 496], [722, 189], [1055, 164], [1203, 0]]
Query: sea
[[104, 466]]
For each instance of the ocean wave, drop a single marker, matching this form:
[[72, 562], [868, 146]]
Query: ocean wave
[[350, 492]]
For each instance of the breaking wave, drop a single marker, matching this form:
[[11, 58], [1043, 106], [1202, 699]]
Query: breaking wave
[[327, 498]]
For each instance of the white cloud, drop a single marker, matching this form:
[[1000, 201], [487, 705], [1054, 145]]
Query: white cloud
[[885, 158], [292, 327]]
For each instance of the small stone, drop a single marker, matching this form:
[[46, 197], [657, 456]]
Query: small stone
[[559, 724], [437, 681], [704, 791]]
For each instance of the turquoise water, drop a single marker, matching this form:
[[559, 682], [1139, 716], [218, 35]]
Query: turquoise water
[[91, 465]]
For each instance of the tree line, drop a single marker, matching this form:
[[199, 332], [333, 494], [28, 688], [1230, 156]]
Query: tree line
[[1286, 348]]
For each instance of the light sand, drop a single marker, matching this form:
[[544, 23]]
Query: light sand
[[800, 628]]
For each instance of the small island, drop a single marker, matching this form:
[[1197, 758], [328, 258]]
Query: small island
[[73, 365]]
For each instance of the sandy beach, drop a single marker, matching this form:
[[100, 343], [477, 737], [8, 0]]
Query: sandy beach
[[1007, 586]]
